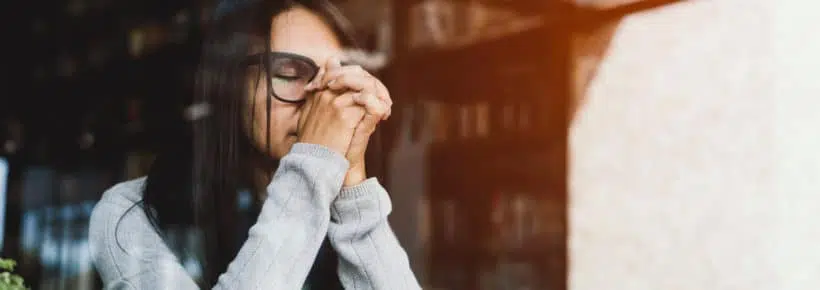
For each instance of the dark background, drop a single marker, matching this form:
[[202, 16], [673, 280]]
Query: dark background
[[89, 89]]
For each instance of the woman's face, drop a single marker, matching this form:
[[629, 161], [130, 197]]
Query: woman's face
[[298, 31]]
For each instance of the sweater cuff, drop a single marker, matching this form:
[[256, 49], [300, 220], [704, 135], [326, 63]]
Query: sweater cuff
[[324, 163], [365, 202], [369, 187], [321, 152]]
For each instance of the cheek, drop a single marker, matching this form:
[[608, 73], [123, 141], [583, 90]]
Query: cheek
[[283, 118]]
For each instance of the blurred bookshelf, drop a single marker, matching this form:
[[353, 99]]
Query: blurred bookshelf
[[494, 75], [497, 81], [494, 78], [95, 86]]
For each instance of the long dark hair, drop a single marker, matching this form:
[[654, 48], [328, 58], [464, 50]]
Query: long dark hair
[[196, 182]]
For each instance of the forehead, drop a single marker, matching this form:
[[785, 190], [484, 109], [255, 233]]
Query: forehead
[[301, 31]]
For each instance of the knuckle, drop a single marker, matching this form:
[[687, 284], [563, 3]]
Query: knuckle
[[352, 119], [326, 96], [338, 81], [358, 69], [345, 79], [339, 102], [381, 111], [377, 111], [378, 86]]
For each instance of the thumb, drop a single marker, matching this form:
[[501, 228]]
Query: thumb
[[365, 128], [361, 136], [304, 114]]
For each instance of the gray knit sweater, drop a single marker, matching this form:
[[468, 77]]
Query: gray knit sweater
[[305, 204]]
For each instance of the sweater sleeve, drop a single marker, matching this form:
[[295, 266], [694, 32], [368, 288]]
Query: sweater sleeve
[[370, 256], [278, 253]]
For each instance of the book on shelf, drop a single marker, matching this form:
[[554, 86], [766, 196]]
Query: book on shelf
[[457, 24], [480, 120]]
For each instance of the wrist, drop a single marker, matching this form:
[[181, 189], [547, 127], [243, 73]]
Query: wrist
[[338, 145], [355, 175]]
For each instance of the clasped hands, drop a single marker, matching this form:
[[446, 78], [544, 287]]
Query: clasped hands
[[344, 108]]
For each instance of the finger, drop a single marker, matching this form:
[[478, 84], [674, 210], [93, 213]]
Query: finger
[[316, 83], [333, 64], [347, 106], [384, 94], [368, 83], [366, 127], [325, 96], [368, 124], [353, 82], [337, 80], [372, 104], [361, 136], [343, 100], [348, 69], [365, 84]]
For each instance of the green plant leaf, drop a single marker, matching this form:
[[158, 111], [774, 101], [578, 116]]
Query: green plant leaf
[[7, 264], [8, 280]]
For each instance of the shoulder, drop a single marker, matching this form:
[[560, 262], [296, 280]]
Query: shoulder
[[108, 213], [115, 203], [124, 193]]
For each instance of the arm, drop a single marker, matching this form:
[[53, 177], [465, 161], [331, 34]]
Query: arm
[[369, 253], [278, 254]]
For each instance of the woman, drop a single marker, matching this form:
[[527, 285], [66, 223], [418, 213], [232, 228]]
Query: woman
[[287, 122]]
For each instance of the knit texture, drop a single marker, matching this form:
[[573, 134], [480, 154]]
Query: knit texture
[[305, 204]]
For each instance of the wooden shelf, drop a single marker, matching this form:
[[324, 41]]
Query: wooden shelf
[[453, 184], [559, 18], [484, 273], [513, 144], [493, 52], [558, 8], [528, 66]]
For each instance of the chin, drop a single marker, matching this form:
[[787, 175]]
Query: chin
[[286, 147]]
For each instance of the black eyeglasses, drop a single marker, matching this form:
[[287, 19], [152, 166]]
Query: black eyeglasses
[[287, 74]]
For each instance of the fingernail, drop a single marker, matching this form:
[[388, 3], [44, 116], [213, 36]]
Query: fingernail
[[336, 62]]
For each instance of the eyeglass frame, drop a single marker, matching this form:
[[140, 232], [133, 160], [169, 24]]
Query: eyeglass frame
[[265, 59]]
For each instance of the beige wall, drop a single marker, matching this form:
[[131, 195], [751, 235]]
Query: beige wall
[[695, 157]]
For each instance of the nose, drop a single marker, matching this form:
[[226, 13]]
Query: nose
[[299, 115]]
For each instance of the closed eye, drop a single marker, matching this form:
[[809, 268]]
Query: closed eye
[[287, 77]]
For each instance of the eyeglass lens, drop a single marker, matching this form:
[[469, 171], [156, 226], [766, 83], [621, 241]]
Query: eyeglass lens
[[289, 77]]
